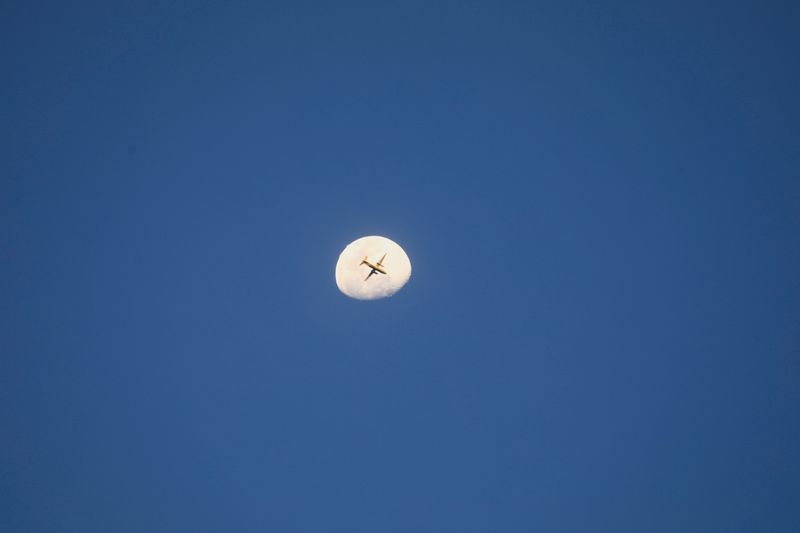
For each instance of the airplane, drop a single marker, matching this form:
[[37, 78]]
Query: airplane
[[376, 268]]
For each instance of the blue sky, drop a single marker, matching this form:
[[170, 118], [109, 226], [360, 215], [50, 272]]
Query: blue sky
[[602, 208]]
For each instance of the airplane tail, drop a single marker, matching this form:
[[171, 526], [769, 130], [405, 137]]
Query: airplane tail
[[365, 259]]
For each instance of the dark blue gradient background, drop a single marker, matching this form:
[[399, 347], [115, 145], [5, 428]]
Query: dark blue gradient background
[[601, 202]]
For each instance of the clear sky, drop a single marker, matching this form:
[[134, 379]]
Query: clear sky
[[601, 203]]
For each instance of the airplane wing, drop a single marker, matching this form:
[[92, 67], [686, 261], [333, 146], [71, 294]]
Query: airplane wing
[[381, 261], [371, 272]]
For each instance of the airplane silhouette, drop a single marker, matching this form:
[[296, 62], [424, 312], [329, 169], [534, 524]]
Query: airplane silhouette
[[374, 269]]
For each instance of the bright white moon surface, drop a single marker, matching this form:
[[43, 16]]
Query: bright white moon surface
[[351, 273]]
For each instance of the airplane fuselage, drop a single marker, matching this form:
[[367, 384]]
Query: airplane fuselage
[[376, 268]]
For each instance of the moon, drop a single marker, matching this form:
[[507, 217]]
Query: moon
[[351, 273]]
